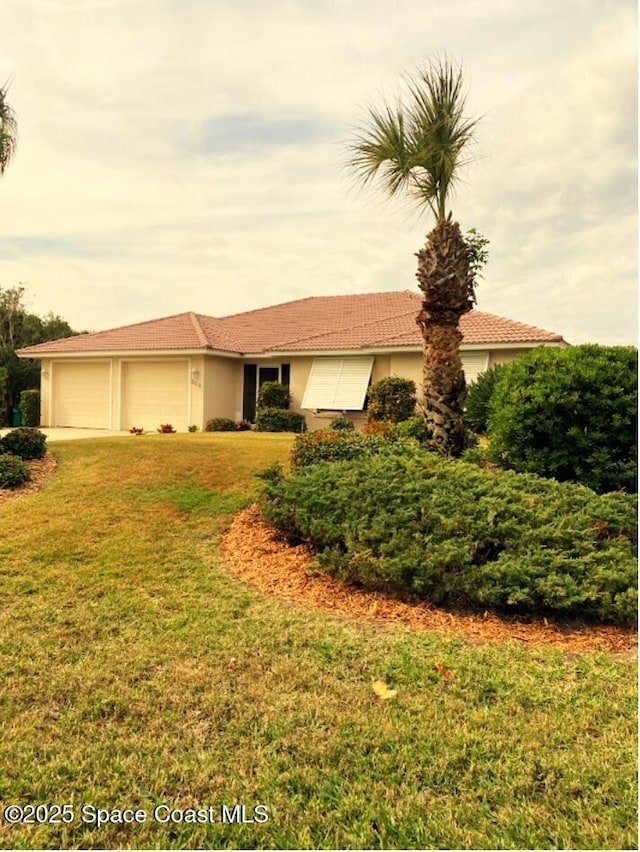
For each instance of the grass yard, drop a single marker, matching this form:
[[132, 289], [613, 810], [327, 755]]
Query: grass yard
[[136, 673]]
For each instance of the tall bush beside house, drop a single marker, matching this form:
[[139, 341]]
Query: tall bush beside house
[[392, 400], [30, 405], [4, 396], [479, 394], [273, 395], [570, 414]]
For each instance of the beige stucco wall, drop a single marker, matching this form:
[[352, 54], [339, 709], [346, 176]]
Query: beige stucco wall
[[45, 392], [215, 383], [407, 365], [504, 356], [222, 388]]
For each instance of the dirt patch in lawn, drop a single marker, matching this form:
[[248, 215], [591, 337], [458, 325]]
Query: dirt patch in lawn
[[255, 555], [40, 469]]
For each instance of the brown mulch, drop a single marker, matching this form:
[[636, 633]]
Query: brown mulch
[[254, 554], [41, 470]]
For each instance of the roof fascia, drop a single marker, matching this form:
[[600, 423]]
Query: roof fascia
[[391, 350], [512, 344], [130, 353]]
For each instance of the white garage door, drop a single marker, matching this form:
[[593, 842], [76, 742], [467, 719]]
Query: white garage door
[[474, 363], [81, 394], [155, 392]]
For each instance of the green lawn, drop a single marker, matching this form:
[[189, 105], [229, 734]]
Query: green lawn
[[136, 673]]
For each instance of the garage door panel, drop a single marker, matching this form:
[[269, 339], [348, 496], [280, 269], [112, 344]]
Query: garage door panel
[[81, 395], [155, 392]]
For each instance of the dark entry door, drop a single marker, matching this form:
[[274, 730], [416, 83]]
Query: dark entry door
[[254, 378], [249, 390]]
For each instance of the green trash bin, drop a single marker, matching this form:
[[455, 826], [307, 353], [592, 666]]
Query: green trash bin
[[16, 416]]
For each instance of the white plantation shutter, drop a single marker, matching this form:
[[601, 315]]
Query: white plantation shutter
[[338, 384], [474, 363]]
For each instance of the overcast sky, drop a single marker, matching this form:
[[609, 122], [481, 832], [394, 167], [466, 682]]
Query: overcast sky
[[181, 155]]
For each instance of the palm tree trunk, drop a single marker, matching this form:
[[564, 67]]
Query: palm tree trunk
[[446, 282]]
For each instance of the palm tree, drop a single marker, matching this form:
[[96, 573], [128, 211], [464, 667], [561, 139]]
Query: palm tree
[[8, 131], [417, 148]]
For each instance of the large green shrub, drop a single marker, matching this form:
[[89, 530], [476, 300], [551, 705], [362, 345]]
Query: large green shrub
[[30, 405], [279, 420], [569, 414], [273, 395], [13, 471], [446, 531], [392, 400], [476, 413], [24, 442]]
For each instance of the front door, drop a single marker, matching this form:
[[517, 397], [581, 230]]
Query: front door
[[254, 378], [249, 390]]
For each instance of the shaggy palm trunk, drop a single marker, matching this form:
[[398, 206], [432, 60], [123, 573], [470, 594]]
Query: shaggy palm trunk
[[446, 282]]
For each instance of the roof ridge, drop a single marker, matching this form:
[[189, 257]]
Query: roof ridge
[[202, 337], [137, 324]]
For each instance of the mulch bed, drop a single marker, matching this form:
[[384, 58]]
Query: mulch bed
[[254, 554], [41, 470]]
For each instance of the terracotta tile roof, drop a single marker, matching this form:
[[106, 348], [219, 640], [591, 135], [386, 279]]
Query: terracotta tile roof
[[319, 323]]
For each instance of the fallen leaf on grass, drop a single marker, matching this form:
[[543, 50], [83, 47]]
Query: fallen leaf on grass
[[382, 690], [443, 671]]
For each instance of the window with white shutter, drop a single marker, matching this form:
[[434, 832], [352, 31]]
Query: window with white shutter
[[338, 384], [474, 363]]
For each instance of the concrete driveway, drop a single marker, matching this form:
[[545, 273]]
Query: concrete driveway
[[69, 433]]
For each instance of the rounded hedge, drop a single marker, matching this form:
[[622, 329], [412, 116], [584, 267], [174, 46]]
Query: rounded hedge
[[391, 400], [570, 414], [279, 420], [221, 424], [24, 442], [13, 471]]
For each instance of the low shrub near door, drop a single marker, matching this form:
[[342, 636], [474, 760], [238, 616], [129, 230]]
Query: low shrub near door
[[449, 532], [221, 424], [24, 442], [279, 420]]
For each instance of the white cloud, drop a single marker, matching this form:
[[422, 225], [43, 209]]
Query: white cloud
[[114, 212]]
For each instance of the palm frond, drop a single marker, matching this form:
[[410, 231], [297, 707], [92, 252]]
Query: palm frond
[[8, 131], [417, 147], [381, 151]]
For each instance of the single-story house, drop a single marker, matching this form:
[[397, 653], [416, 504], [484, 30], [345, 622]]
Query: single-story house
[[188, 368]]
